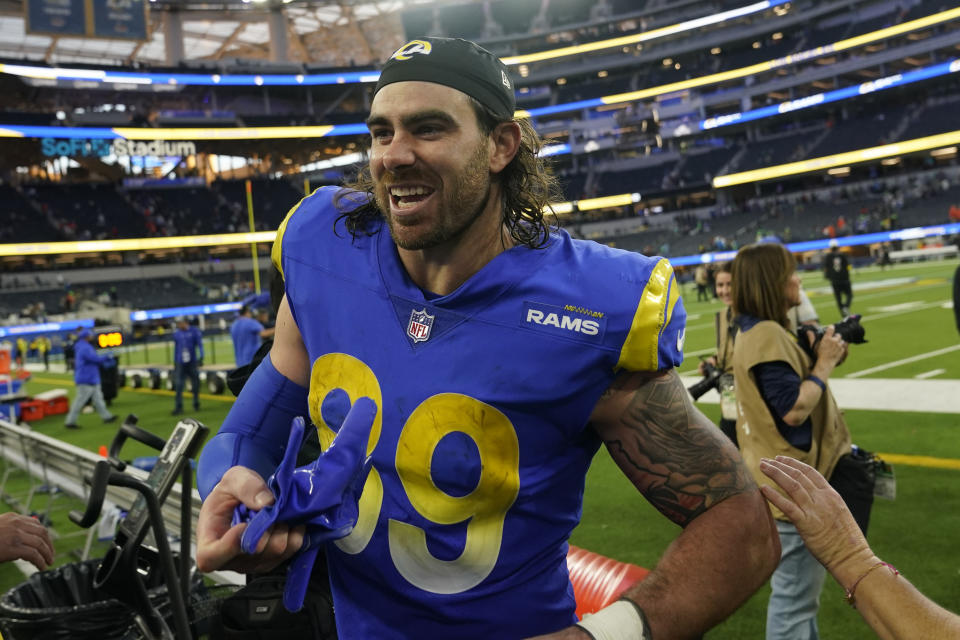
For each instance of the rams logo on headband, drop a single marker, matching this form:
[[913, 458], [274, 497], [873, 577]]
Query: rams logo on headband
[[414, 46]]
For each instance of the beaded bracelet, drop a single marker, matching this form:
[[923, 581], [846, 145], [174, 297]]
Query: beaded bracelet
[[851, 600]]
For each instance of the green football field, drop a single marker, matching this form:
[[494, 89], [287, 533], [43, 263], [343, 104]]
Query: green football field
[[912, 336]]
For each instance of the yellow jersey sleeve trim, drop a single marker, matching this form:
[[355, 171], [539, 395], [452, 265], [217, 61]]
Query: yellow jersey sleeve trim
[[640, 351], [276, 252]]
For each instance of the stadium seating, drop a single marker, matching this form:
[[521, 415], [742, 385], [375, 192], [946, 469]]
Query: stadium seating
[[156, 293], [187, 211], [21, 222], [932, 120], [272, 199], [88, 210]]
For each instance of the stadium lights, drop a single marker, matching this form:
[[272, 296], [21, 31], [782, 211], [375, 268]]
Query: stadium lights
[[809, 54], [839, 159], [101, 75], [135, 244], [945, 152], [206, 133], [269, 133], [608, 201], [55, 73], [202, 79], [646, 36]]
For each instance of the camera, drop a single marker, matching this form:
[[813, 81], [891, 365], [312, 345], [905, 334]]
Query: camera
[[849, 329], [711, 380]]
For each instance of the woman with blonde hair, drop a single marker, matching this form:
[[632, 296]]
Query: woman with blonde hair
[[785, 408]]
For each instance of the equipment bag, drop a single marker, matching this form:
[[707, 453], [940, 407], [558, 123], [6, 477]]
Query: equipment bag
[[256, 612]]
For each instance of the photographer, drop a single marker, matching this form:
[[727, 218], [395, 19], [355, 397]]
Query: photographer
[[786, 409], [718, 369]]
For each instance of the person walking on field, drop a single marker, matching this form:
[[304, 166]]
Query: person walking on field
[[86, 375], [701, 278], [836, 269]]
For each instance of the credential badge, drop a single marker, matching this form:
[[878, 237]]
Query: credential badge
[[420, 325]]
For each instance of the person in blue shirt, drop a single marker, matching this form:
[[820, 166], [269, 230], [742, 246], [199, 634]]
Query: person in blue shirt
[[86, 375], [187, 360], [498, 354], [247, 334]]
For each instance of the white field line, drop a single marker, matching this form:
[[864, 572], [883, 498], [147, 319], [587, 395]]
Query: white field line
[[895, 291], [929, 374], [889, 314], [897, 363], [694, 327], [892, 272], [894, 394]]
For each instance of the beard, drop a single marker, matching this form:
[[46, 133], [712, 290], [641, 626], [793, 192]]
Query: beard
[[460, 205]]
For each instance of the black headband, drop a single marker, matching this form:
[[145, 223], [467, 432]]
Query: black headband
[[456, 63]]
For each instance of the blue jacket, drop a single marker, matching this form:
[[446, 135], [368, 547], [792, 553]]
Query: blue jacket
[[187, 345], [88, 361]]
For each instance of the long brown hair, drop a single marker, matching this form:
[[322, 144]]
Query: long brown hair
[[528, 186], [760, 273]]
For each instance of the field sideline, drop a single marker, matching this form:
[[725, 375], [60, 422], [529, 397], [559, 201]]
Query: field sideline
[[906, 315]]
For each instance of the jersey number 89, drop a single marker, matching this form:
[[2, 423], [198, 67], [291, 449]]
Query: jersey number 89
[[484, 508]]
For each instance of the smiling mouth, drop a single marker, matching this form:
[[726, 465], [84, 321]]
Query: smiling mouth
[[408, 197]]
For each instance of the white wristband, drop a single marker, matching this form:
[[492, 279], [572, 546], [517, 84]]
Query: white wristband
[[621, 620]]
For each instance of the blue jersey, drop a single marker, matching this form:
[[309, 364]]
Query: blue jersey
[[481, 442], [245, 333]]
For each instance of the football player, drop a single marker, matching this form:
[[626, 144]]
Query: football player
[[500, 353]]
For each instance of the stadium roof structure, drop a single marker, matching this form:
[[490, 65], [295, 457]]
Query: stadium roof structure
[[218, 30]]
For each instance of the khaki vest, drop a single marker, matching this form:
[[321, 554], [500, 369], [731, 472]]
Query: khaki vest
[[757, 432]]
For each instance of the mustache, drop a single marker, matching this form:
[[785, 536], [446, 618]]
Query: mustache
[[390, 177]]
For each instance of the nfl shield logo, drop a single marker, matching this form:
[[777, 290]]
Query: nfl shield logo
[[420, 324]]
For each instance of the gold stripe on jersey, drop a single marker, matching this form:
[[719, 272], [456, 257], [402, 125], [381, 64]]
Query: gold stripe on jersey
[[640, 351], [276, 253]]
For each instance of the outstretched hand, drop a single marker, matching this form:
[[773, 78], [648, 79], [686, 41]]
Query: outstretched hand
[[24, 538], [816, 509]]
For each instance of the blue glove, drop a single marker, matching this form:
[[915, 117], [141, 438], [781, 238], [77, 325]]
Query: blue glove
[[322, 495]]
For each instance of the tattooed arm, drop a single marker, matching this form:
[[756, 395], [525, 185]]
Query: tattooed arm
[[694, 475]]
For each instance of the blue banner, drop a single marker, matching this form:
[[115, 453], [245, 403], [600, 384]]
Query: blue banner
[[46, 327], [126, 19], [173, 312], [56, 17], [914, 233], [897, 80]]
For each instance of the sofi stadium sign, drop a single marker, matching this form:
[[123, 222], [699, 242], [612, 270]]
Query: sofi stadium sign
[[97, 148]]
